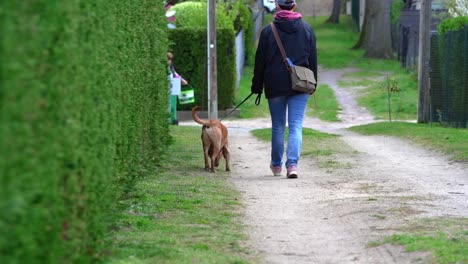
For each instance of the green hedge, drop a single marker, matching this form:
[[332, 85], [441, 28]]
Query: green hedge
[[243, 20], [452, 24], [84, 112], [190, 60], [193, 14]]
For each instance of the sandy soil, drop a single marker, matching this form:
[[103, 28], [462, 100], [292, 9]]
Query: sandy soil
[[329, 215]]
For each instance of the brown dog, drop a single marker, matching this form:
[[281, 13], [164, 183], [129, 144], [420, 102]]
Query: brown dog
[[215, 141]]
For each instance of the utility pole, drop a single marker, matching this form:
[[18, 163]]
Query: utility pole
[[212, 65], [423, 61]]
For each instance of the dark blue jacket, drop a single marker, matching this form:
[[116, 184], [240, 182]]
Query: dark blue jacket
[[299, 42]]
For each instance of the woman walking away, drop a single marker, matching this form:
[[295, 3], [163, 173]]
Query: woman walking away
[[271, 75]]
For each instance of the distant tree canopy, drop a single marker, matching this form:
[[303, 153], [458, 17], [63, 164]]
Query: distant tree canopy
[[457, 7]]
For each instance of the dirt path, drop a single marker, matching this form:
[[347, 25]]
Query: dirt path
[[330, 215]]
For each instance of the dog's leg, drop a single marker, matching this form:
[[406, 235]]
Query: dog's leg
[[216, 154], [218, 157], [227, 157], [206, 150], [207, 158]]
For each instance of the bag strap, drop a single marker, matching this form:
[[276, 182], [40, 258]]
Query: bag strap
[[280, 46], [283, 53]]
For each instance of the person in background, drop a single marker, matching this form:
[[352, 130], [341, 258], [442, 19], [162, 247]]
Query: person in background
[[172, 70], [272, 76], [173, 97]]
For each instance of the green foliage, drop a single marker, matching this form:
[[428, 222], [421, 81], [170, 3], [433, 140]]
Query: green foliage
[[84, 103], [189, 48], [396, 8], [445, 238], [452, 24], [188, 43], [242, 18], [193, 14]]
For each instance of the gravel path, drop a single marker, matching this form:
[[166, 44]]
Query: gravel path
[[330, 215]]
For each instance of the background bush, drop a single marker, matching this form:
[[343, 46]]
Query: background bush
[[190, 53], [452, 24], [84, 113], [193, 14], [188, 43], [242, 17]]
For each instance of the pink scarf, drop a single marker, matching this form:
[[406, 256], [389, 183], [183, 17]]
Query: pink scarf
[[287, 15]]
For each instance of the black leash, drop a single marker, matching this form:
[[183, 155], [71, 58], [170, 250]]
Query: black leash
[[257, 102]]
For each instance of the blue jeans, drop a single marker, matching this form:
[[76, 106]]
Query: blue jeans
[[295, 107]]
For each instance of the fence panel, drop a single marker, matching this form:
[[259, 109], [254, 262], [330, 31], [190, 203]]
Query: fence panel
[[449, 78]]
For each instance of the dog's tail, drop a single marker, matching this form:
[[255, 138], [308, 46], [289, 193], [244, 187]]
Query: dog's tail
[[196, 118]]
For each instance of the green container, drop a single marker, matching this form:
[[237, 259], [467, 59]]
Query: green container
[[187, 97]]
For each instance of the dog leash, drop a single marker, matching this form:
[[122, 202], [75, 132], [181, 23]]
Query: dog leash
[[257, 102]]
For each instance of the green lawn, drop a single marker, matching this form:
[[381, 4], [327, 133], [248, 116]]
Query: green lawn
[[451, 141], [323, 104], [326, 109], [315, 143], [249, 109], [446, 238], [322, 147], [335, 42]]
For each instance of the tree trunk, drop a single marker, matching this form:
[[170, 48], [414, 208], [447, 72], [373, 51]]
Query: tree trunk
[[335, 15], [361, 44], [376, 33]]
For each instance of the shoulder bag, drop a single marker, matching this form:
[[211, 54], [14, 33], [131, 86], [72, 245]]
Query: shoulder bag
[[302, 78]]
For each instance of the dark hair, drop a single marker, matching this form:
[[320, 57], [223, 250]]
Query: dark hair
[[286, 4], [286, 7]]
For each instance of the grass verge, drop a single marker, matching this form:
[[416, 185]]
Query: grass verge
[[326, 149], [327, 107], [451, 141], [181, 214], [314, 142], [387, 90], [446, 239], [335, 42]]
